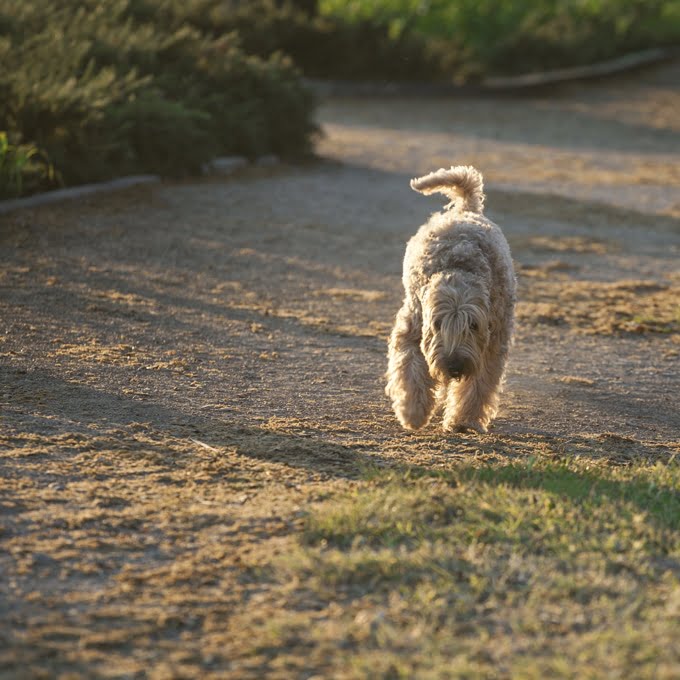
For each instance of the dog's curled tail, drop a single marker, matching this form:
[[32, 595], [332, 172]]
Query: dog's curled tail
[[460, 183]]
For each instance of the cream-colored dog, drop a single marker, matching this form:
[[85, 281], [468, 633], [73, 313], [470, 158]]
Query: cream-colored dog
[[452, 334]]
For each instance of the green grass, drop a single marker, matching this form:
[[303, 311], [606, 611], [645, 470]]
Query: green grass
[[532, 569]]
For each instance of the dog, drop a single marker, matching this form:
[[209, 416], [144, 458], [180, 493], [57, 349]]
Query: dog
[[451, 337]]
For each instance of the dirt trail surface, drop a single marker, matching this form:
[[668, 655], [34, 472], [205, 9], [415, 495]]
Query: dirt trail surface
[[187, 369]]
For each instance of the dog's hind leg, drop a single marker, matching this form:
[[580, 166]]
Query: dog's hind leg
[[472, 403], [409, 384]]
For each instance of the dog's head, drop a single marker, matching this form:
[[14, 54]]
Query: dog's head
[[455, 325]]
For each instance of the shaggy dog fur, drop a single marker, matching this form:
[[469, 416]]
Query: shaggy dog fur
[[452, 334]]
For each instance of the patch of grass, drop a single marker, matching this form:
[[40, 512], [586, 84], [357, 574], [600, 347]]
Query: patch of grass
[[603, 308], [530, 569], [668, 322]]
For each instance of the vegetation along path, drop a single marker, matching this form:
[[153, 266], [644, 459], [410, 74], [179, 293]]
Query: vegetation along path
[[200, 475]]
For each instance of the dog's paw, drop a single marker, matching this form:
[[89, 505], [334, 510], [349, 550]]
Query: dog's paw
[[465, 427], [413, 418]]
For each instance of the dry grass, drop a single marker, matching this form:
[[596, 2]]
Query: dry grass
[[534, 569], [594, 307]]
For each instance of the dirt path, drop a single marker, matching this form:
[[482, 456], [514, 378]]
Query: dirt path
[[186, 369]]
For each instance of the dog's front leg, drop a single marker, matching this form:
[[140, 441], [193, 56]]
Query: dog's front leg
[[472, 403], [409, 384]]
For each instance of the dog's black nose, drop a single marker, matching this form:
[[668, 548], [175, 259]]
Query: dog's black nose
[[456, 367]]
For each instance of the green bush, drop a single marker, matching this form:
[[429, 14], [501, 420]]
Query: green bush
[[116, 86], [321, 46], [451, 40], [499, 37], [23, 168]]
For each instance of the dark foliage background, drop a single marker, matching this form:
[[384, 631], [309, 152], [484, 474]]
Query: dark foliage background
[[92, 89]]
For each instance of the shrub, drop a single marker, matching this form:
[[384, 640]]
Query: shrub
[[497, 37], [436, 39], [23, 168], [322, 46], [121, 86]]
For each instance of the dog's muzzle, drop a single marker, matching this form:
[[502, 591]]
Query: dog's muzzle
[[456, 367]]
